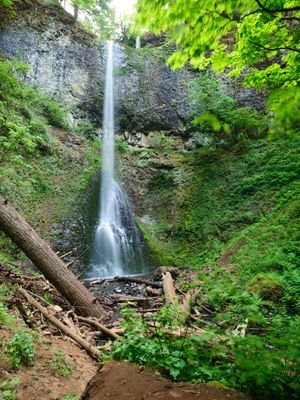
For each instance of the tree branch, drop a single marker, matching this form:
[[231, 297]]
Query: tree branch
[[275, 48], [276, 10]]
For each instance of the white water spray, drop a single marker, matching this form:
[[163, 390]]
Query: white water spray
[[117, 246], [138, 43]]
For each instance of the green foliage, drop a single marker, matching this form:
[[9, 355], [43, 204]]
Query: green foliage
[[7, 389], [53, 112], [59, 364], [21, 349], [88, 130], [71, 397], [234, 35], [48, 299], [162, 181], [101, 16], [121, 146], [7, 7], [266, 367], [267, 286], [25, 115], [214, 111], [6, 319]]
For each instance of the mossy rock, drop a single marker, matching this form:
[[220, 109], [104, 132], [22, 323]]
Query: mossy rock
[[267, 286]]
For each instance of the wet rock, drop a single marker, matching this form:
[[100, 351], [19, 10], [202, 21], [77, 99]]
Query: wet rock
[[65, 61]]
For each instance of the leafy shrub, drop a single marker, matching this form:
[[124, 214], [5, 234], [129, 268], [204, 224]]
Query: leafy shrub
[[216, 112], [266, 367], [21, 349], [88, 130], [59, 364], [14, 140], [6, 319], [71, 397], [267, 286], [53, 112], [161, 181], [7, 388], [121, 146]]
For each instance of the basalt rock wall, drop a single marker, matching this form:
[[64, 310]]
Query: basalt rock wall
[[65, 60], [68, 63]]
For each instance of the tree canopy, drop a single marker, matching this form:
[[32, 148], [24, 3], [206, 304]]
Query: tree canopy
[[261, 35]]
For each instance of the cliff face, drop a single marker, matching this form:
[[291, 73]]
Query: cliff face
[[65, 61], [150, 96], [68, 63]]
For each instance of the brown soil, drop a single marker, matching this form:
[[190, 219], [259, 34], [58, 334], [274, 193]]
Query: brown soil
[[42, 380], [124, 381], [227, 254]]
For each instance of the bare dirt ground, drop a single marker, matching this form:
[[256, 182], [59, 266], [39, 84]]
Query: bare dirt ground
[[43, 379], [61, 370], [125, 381]]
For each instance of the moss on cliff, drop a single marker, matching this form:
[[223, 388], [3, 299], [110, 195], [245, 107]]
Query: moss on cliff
[[44, 165]]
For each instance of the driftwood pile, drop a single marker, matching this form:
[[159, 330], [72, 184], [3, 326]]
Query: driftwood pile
[[34, 294]]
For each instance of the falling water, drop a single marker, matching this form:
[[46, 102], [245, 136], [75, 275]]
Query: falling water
[[117, 246], [138, 42]]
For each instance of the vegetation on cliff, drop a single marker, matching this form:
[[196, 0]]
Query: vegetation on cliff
[[40, 155], [231, 35], [228, 209], [224, 199]]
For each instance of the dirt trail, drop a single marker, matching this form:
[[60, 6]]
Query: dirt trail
[[125, 381]]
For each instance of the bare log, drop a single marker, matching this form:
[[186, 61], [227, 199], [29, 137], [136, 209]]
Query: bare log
[[97, 324], [169, 288], [153, 292], [138, 280], [49, 263], [119, 298], [62, 327], [188, 300]]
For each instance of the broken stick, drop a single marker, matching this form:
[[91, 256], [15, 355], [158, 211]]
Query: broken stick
[[62, 327], [169, 288], [98, 325], [138, 280]]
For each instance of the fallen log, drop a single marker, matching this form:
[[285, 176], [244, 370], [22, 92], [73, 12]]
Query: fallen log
[[188, 300], [153, 292], [138, 280], [62, 327], [97, 324], [119, 298], [49, 263]]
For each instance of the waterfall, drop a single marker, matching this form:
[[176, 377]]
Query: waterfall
[[117, 247], [138, 42]]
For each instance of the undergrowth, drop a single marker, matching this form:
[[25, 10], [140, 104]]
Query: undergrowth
[[40, 156], [233, 216], [265, 366]]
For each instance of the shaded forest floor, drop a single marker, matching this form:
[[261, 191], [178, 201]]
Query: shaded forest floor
[[60, 370]]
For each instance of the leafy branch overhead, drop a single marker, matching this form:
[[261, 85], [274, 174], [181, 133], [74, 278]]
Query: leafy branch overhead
[[258, 39]]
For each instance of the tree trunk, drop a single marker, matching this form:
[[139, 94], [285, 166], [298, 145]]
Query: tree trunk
[[49, 263]]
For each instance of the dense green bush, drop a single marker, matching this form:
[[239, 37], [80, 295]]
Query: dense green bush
[[266, 367], [216, 113], [21, 349], [25, 115], [87, 129]]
